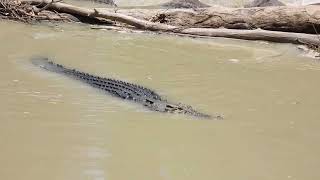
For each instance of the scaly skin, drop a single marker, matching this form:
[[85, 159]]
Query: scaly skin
[[124, 90]]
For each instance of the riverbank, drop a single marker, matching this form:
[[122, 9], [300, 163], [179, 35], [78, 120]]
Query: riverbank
[[297, 25]]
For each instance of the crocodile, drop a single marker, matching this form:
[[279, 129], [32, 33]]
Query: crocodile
[[124, 90]]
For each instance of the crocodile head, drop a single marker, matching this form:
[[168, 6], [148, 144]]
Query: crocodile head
[[184, 109], [163, 106]]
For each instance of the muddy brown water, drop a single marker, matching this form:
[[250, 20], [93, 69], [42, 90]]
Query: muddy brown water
[[52, 127]]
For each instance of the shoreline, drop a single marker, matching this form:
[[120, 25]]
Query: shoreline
[[196, 23]]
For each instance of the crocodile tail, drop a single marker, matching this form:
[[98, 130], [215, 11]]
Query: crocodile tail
[[45, 63]]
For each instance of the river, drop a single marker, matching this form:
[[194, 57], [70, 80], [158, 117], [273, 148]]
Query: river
[[55, 128]]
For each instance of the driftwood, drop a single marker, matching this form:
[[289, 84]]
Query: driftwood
[[300, 19], [87, 12], [14, 10], [257, 34]]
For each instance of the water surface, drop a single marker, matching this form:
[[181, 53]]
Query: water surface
[[52, 127]]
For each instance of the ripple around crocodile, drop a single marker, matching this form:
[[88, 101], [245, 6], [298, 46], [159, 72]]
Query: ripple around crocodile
[[124, 90]]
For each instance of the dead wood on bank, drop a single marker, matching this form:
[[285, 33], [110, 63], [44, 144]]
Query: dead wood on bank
[[280, 18], [188, 28], [30, 12], [15, 10]]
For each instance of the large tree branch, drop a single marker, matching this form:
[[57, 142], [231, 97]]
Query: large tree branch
[[258, 34], [284, 18]]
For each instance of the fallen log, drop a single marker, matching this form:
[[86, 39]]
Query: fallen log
[[258, 34], [302, 19], [87, 12]]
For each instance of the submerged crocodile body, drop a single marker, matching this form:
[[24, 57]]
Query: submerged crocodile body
[[121, 89]]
